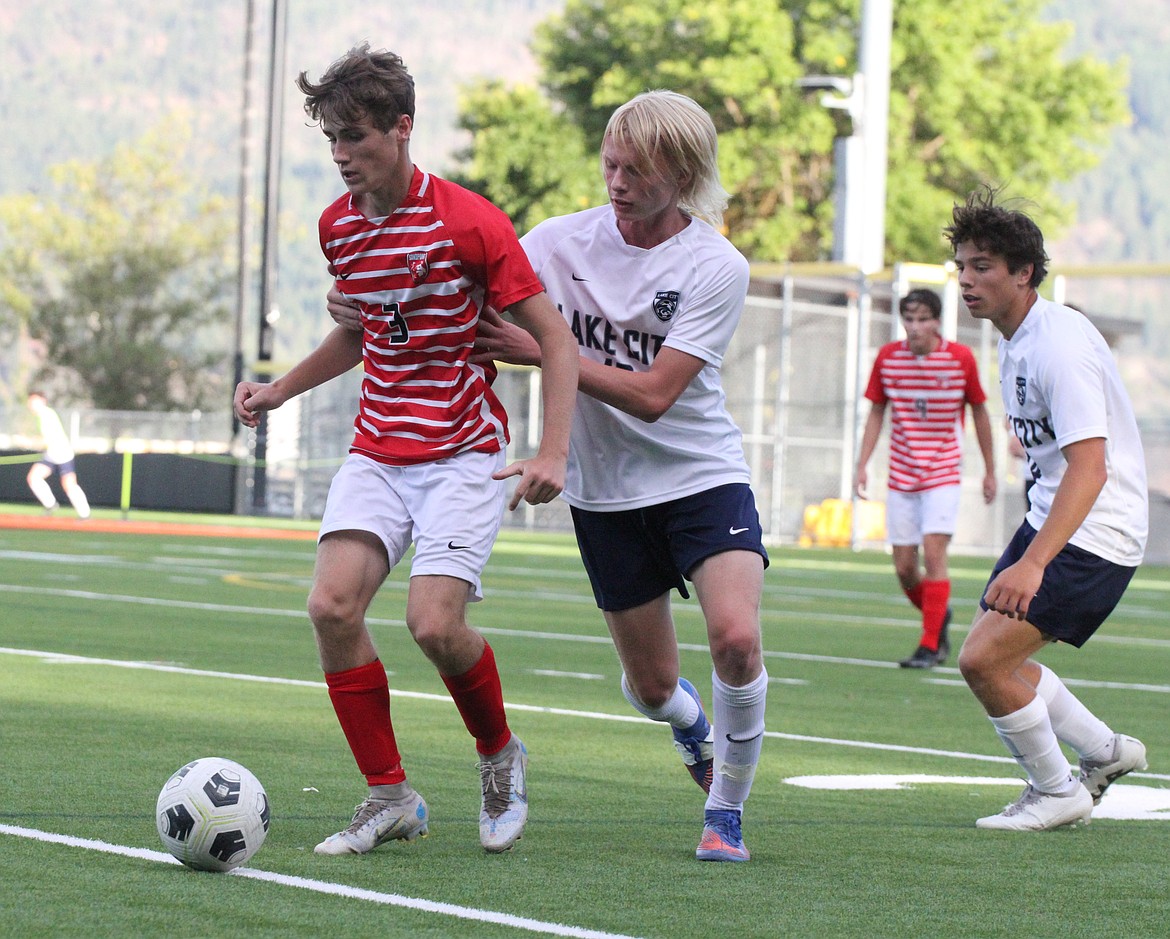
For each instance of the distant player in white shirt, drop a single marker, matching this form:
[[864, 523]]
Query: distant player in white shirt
[[58, 458], [1083, 537], [657, 480]]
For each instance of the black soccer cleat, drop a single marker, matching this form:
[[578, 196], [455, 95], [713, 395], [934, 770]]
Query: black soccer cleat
[[926, 658]]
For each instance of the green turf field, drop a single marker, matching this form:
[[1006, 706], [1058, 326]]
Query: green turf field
[[124, 656]]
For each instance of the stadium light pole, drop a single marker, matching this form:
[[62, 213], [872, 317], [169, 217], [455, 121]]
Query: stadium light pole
[[876, 34], [861, 162], [244, 214], [268, 312], [860, 159]]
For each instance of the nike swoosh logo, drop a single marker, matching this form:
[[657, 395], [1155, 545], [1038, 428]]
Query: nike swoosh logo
[[457, 547], [575, 277], [732, 739], [736, 531]]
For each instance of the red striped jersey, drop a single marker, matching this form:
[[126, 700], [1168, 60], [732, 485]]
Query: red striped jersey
[[928, 395], [422, 275]]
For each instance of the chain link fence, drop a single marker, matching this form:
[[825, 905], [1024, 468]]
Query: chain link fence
[[794, 376]]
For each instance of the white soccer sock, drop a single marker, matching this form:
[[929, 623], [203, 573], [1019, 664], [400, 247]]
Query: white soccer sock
[[1072, 722], [738, 716], [78, 500], [40, 489], [1028, 735], [681, 710]]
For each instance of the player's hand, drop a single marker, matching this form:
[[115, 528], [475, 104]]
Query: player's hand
[[990, 486], [1012, 590], [499, 340], [251, 398], [541, 480], [859, 485], [344, 310]]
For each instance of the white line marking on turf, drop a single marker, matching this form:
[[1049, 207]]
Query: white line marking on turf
[[553, 673], [65, 658], [322, 886], [553, 636], [1121, 801], [1072, 682]]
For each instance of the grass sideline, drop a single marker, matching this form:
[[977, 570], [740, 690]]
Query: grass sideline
[[122, 656]]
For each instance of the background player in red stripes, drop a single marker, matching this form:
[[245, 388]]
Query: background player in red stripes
[[420, 257], [930, 381]]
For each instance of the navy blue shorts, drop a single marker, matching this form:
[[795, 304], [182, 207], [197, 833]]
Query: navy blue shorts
[[1077, 594], [636, 555], [61, 469]]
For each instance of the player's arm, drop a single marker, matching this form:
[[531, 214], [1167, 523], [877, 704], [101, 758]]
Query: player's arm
[[645, 395], [869, 439], [338, 352], [982, 420], [543, 476], [1084, 478]]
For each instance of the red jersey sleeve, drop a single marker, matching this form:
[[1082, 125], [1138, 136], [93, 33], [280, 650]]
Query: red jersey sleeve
[[875, 391], [974, 388], [487, 244]]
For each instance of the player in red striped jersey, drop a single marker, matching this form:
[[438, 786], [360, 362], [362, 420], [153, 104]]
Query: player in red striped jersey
[[421, 257], [929, 381]]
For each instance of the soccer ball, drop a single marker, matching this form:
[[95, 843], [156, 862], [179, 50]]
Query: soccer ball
[[212, 814]]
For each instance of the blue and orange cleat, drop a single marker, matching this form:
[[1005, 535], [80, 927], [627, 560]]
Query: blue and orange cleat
[[722, 838], [696, 744]]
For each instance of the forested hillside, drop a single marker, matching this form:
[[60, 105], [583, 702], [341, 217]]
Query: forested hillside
[[80, 76], [1124, 204]]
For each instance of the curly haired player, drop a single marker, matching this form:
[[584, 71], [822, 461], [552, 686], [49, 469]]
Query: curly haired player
[[1069, 563]]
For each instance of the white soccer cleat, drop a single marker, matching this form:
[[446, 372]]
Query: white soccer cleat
[[1041, 811], [377, 821], [504, 809], [1129, 754]]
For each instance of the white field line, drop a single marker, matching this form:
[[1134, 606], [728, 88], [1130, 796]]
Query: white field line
[[300, 614], [67, 659], [322, 886]]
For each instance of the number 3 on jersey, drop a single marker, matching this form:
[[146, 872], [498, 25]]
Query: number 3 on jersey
[[395, 331]]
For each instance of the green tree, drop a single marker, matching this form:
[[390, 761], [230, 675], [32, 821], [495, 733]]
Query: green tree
[[974, 98], [508, 125], [119, 274]]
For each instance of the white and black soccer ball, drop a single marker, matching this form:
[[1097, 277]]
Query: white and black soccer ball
[[212, 814]]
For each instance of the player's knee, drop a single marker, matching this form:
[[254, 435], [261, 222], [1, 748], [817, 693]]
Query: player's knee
[[973, 666], [907, 575], [736, 650], [653, 691], [332, 613], [437, 639]]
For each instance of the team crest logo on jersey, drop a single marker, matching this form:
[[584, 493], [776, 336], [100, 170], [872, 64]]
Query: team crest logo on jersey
[[416, 263], [1021, 389], [665, 304]]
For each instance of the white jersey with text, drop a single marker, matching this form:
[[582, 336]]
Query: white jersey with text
[[1060, 385], [624, 303]]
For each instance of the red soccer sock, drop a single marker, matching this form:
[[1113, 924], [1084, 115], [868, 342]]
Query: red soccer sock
[[480, 701], [936, 596], [914, 595], [361, 700]]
